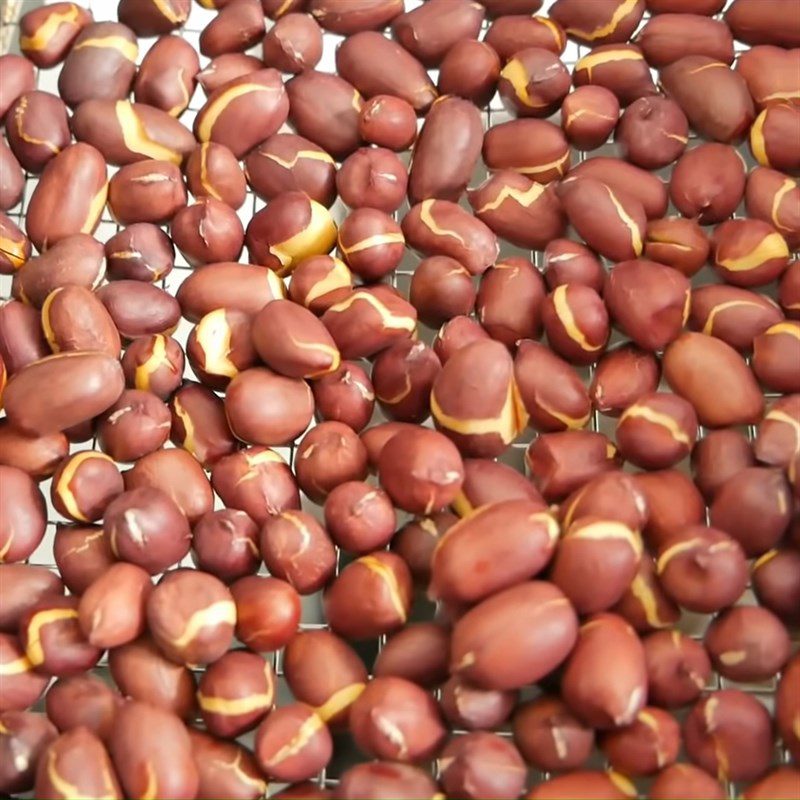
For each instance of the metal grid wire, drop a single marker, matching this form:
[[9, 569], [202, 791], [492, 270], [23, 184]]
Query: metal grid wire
[[312, 615]]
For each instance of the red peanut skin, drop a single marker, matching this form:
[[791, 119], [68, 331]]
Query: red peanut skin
[[618, 175], [325, 108], [715, 380], [612, 222], [764, 22], [457, 569], [509, 34], [351, 16], [430, 30], [606, 699], [376, 65], [599, 22], [440, 227], [668, 37], [489, 648], [713, 97], [446, 151]]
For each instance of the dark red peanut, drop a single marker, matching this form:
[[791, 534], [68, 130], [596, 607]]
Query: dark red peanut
[[714, 378], [620, 68], [242, 113], [288, 163], [167, 75], [376, 65], [713, 97], [589, 115], [429, 31], [293, 44], [602, 22], [46, 34]]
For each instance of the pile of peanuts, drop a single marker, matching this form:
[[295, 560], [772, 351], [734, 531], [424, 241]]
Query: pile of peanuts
[[605, 622]]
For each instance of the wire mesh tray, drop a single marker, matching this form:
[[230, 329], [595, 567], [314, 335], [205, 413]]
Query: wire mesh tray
[[312, 614]]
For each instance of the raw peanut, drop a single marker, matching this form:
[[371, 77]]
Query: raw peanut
[[647, 188], [242, 287], [151, 17], [771, 74], [69, 197], [430, 30], [291, 340], [487, 481], [371, 243], [749, 252], [76, 260], [146, 191], [457, 573], [620, 68], [648, 301], [669, 37], [403, 375], [708, 182], [657, 431], [775, 353], [242, 113], [774, 198], [368, 320], [236, 28], [677, 242], [292, 227], [15, 247], [714, 378], [589, 116], [46, 34], [622, 376], [770, 22], [293, 43], [734, 315], [533, 82], [606, 698], [320, 281], [470, 70], [602, 22], [37, 129], [512, 33], [585, 783], [225, 68], [576, 323], [567, 261], [372, 177], [534, 147], [376, 65], [491, 651], [351, 16], [591, 544], [475, 400], [611, 222], [440, 227], [561, 463], [524, 213], [446, 151], [509, 301], [287, 163], [79, 387], [326, 109], [653, 132], [771, 137], [167, 75], [100, 64], [74, 319], [713, 97]]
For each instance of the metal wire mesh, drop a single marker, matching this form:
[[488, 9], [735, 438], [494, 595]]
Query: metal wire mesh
[[312, 614]]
